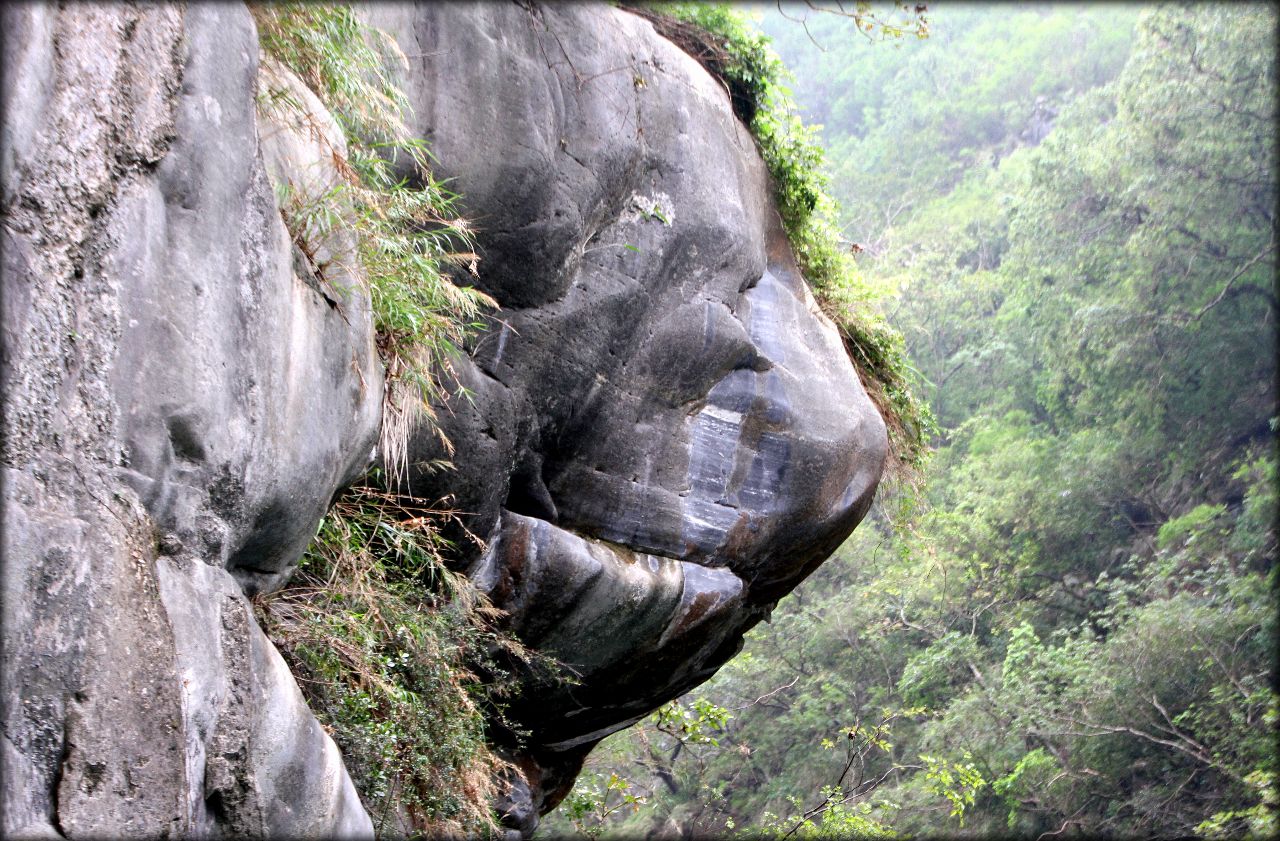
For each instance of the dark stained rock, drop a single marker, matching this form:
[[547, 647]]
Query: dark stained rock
[[664, 435]]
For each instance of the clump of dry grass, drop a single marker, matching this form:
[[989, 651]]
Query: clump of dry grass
[[385, 642]]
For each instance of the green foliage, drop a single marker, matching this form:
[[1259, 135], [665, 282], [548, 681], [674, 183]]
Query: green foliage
[[932, 674], [1180, 530], [841, 820], [407, 235], [905, 125], [957, 782], [1258, 821], [1035, 774], [1254, 533], [696, 724], [594, 799]]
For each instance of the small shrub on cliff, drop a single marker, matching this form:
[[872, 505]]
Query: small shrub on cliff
[[382, 638], [409, 239], [725, 43]]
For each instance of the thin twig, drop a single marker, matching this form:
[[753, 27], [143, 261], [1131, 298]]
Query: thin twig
[[767, 695], [1239, 273]]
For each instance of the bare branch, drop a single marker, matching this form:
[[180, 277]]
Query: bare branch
[[1271, 246], [767, 695], [803, 22]]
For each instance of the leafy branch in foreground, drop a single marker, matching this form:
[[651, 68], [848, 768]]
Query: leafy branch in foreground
[[595, 798]]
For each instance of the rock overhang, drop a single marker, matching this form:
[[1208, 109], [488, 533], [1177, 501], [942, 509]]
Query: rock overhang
[[664, 434]]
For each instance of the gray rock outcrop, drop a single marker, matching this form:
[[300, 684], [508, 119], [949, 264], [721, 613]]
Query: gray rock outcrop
[[663, 435]]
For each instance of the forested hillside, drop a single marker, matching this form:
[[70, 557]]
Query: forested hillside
[[1068, 626]]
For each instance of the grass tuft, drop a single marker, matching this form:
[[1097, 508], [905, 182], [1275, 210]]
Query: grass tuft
[[410, 243], [383, 640]]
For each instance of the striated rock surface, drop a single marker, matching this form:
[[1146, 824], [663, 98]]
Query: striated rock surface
[[663, 437]]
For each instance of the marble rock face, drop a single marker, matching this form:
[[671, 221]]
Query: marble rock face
[[664, 435]]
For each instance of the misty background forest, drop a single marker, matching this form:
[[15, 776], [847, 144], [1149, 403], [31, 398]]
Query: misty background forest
[[1064, 622]]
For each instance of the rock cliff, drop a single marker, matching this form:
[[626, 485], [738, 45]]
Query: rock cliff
[[663, 434]]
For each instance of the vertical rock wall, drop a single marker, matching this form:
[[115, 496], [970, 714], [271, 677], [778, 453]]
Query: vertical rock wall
[[179, 408]]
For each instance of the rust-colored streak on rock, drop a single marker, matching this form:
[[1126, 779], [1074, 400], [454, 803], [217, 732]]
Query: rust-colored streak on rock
[[702, 603]]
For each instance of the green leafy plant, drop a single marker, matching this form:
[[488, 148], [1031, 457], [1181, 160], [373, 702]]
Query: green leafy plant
[[1258, 821], [1180, 530], [958, 782], [839, 820], [696, 724], [595, 798]]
